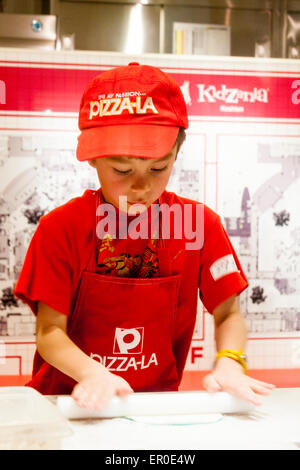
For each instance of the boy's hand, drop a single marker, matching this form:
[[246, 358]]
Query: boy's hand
[[229, 376], [97, 389]]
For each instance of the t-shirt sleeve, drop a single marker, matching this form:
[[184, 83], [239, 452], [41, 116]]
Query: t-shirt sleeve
[[221, 274], [46, 274]]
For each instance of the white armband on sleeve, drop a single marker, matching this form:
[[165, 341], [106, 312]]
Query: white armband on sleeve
[[223, 266]]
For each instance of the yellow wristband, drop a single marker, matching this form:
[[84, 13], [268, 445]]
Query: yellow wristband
[[238, 356]]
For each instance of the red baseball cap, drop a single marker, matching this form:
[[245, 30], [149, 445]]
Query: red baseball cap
[[134, 110]]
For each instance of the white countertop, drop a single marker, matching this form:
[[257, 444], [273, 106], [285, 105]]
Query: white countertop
[[273, 425]]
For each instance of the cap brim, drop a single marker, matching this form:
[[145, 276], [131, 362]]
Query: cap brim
[[143, 141]]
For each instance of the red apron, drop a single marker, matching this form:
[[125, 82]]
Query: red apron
[[127, 324]]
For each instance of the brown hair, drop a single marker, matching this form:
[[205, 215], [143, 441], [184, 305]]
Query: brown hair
[[180, 139]]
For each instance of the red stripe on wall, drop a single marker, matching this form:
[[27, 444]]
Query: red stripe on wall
[[192, 380]]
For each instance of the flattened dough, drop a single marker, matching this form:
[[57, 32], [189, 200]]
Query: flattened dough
[[178, 420]]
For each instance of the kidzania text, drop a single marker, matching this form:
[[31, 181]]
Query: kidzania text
[[167, 222]]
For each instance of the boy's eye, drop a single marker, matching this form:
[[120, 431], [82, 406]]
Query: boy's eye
[[122, 172], [126, 172], [160, 169]]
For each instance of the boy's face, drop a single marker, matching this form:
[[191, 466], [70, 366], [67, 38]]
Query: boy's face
[[140, 180]]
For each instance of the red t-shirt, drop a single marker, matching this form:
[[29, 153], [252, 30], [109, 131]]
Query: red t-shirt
[[59, 251]]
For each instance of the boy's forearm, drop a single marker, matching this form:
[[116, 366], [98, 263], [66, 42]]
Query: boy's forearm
[[231, 333], [56, 348]]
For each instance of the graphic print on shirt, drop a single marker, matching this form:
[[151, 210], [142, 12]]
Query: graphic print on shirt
[[127, 341], [124, 264]]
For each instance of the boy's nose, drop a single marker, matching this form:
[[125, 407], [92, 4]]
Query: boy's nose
[[140, 184]]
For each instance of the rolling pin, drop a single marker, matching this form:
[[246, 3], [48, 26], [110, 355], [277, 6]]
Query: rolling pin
[[158, 403]]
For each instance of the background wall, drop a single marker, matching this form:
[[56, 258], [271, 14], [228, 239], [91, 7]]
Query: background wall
[[241, 156], [104, 25]]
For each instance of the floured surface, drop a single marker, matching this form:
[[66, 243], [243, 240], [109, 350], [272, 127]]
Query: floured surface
[[274, 425]]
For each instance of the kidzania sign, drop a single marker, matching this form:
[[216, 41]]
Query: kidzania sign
[[232, 95], [207, 92], [210, 94], [232, 100]]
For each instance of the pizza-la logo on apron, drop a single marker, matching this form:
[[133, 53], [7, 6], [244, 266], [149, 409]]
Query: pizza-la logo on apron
[[127, 341]]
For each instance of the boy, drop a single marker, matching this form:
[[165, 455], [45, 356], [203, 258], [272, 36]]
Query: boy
[[115, 310]]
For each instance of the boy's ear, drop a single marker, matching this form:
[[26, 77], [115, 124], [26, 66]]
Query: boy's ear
[[92, 163]]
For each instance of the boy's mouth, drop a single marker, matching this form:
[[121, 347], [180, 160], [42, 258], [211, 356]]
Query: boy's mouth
[[136, 202]]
